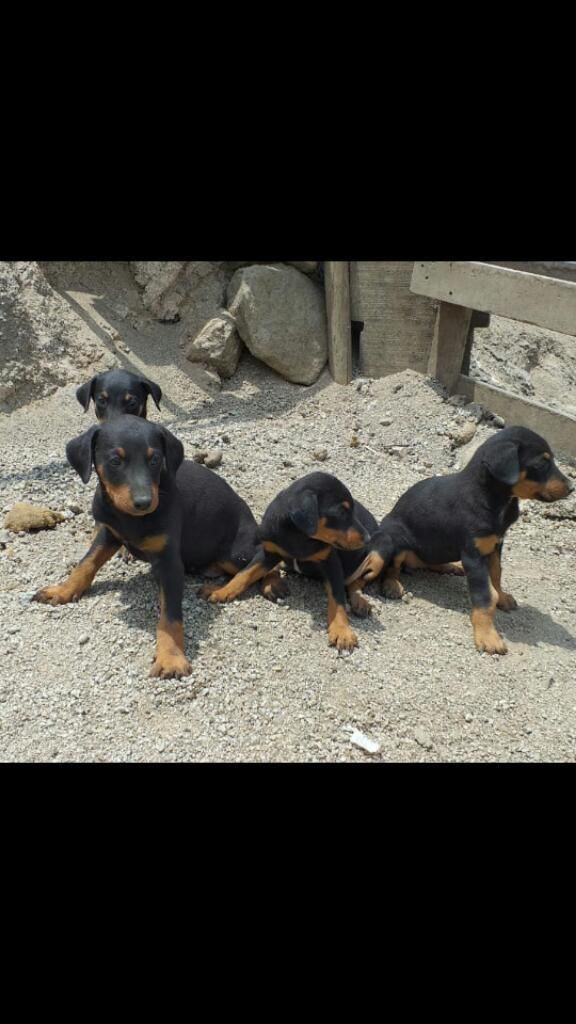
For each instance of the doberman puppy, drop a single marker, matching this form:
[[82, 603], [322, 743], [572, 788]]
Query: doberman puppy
[[172, 513], [465, 516], [118, 392], [310, 522], [350, 561]]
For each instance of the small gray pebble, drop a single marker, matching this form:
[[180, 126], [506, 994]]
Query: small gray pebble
[[423, 739]]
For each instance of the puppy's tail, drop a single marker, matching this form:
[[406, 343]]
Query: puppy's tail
[[370, 568]]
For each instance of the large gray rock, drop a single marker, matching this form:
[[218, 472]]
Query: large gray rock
[[158, 279], [191, 291], [218, 345], [306, 266], [281, 317]]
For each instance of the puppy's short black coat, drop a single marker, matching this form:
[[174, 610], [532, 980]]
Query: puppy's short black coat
[[172, 513], [465, 516], [311, 521], [117, 393]]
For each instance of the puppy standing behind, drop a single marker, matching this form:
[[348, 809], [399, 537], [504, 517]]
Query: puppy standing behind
[[118, 393], [310, 522], [466, 516], [173, 514]]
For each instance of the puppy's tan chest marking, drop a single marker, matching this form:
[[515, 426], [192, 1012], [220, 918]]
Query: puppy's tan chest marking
[[152, 545]]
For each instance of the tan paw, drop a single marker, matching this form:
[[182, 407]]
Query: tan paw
[[342, 637], [274, 587], [171, 666], [215, 593], [360, 606], [507, 603], [392, 589], [455, 569], [490, 642], [56, 595], [207, 589]]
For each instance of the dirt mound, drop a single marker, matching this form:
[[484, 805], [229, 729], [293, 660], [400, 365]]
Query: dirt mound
[[43, 342]]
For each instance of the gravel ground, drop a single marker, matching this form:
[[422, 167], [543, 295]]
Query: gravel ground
[[74, 681]]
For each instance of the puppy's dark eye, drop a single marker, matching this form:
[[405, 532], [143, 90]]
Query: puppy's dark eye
[[155, 459], [101, 401], [131, 403], [115, 461]]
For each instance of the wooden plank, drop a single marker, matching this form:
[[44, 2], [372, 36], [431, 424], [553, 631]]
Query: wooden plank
[[449, 346], [548, 268], [531, 298], [558, 428], [398, 326], [337, 285]]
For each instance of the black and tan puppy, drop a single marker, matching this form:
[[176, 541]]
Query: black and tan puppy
[[465, 516], [117, 393], [310, 522], [174, 514], [350, 561]]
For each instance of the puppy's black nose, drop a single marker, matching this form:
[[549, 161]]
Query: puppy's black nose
[[142, 502]]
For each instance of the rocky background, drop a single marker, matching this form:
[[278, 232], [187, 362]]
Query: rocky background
[[62, 321]]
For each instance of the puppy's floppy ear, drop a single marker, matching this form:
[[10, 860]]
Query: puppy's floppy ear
[[305, 515], [85, 393], [503, 463], [80, 452], [173, 451], [153, 389]]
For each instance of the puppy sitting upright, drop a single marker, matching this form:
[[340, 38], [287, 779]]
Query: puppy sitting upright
[[173, 514], [465, 516], [118, 392], [349, 560], [308, 522]]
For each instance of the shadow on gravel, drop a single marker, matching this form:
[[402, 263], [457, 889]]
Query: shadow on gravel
[[140, 608], [526, 625], [308, 595]]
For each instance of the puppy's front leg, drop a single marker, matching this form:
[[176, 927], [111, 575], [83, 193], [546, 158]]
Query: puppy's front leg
[[170, 662], [484, 597], [260, 566], [103, 547], [506, 602], [339, 631]]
